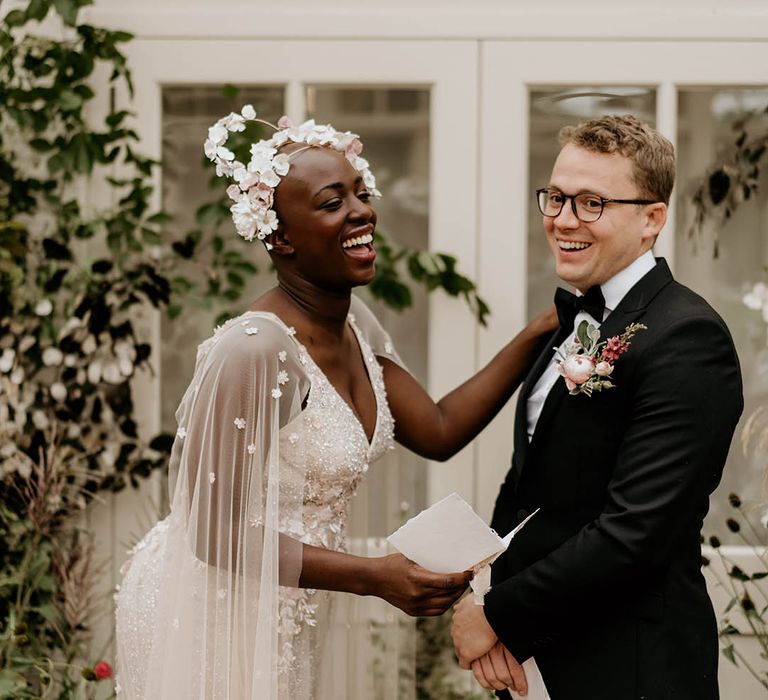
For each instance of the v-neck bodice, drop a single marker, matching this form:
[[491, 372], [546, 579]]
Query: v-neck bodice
[[330, 451]]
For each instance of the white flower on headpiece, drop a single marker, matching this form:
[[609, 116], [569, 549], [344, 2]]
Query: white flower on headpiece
[[253, 192], [281, 163]]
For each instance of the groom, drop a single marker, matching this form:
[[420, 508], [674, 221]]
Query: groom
[[603, 587]]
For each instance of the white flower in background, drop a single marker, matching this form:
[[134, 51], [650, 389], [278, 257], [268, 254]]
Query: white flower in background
[[70, 360], [43, 307], [52, 357], [89, 345], [24, 468], [39, 419], [58, 391], [74, 431], [17, 376], [94, 372], [111, 373], [7, 450], [107, 457], [70, 325], [6, 360], [757, 299], [26, 343]]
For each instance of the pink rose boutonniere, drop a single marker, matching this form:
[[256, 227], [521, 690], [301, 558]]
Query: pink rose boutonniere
[[586, 364]]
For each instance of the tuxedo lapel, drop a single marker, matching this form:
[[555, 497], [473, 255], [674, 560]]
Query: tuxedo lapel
[[521, 410], [631, 307]]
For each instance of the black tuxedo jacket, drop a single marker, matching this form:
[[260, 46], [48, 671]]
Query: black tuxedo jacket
[[604, 585]]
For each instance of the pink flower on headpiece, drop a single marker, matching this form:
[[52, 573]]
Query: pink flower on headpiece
[[284, 122], [354, 148]]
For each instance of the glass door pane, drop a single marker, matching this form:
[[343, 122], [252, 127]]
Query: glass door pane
[[187, 112], [708, 121]]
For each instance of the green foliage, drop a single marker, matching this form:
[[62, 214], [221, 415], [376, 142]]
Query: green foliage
[[68, 346], [734, 179], [748, 604]]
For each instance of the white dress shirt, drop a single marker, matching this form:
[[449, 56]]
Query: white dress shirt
[[614, 290]]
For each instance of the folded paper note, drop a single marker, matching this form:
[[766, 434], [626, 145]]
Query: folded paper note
[[447, 537]]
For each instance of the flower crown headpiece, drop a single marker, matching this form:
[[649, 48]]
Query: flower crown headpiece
[[255, 183]]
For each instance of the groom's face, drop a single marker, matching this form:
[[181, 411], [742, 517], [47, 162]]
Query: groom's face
[[588, 254]]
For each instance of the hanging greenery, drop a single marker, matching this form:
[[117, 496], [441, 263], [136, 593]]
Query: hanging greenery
[[733, 179]]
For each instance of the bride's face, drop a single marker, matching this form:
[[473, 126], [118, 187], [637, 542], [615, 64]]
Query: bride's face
[[326, 220]]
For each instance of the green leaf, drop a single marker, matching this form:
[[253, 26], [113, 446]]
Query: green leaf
[[70, 100], [67, 10], [230, 91], [38, 9], [41, 145], [10, 683], [160, 218], [729, 654], [15, 18], [582, 333]]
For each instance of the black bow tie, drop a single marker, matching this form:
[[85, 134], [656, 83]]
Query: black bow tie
[[568, 305]]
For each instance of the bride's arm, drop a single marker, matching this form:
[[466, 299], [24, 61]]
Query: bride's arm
[[438, 430], [394, 578]]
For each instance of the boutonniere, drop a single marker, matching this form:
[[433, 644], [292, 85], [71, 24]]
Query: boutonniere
[[587, 363]]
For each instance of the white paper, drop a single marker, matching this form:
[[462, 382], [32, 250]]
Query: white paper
[[447, 537], [536, 688]]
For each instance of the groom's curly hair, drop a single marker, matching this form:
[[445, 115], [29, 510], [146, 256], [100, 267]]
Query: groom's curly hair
[[652, 155]]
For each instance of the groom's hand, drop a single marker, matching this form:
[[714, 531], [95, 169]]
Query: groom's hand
[[498, 670], [472, 635]]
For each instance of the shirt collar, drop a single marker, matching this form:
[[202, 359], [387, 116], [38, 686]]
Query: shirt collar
[[616, 288]]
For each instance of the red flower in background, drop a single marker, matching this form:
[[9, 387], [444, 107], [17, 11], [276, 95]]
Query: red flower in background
[[102, 670]]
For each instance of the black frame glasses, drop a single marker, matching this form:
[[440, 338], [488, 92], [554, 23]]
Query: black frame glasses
[[579, 204]]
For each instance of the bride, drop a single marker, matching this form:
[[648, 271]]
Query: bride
[[233, 596]]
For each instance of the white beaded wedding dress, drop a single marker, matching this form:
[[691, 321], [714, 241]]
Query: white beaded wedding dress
[[267, 455]]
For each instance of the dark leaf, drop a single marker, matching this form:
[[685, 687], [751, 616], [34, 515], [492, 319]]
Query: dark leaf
[[719, 184], [15, 18], [55, 250], [162, 443]]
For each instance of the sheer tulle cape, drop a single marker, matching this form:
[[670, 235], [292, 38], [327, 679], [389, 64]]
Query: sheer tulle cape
[[220, 556]]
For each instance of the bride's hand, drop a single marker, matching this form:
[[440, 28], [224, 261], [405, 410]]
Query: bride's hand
[[545, 323], [416, 591]]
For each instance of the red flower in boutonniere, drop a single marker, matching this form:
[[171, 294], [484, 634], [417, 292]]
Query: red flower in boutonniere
[[586, 363]]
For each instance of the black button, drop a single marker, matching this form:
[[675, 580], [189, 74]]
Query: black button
[[522, 514]]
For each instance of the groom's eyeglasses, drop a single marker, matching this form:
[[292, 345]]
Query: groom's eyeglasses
[[586, 207]]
